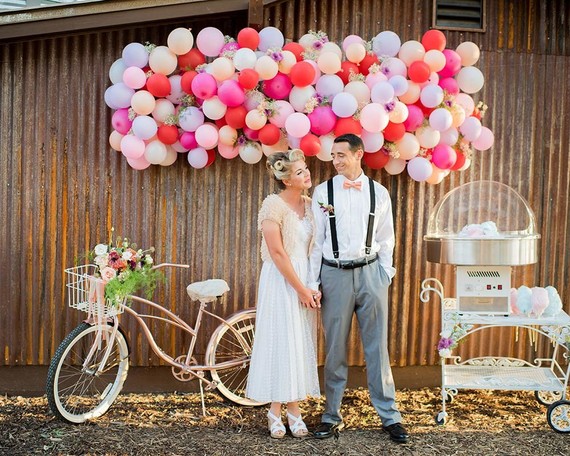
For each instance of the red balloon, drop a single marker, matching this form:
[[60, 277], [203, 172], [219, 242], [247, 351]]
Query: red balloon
[[269, 134], [221, 122], [211, 157], [419, 71], [302, 74], [366, 62], [167, 134], [248, 78], [434, 39], [347, 68], [235, 117], [310, 145], [191, 59], [459, 162], [347, 125], [376, 160], [186, 81], [158, 85], [248, 38], [394, 131], [296, 49]]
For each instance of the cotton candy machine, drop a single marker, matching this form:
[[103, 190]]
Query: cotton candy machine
[[483, 227]]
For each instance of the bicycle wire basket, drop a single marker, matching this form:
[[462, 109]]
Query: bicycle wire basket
[[82, 286]]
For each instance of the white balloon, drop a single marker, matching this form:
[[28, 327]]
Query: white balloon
[[470, 79], [344, 104], [395, 166], [372, 141], [116, 71], [329, 85], [270, 38], [244, 58], [198, 157], [251, 152], [171, 157], [299, 96], [386, 43]]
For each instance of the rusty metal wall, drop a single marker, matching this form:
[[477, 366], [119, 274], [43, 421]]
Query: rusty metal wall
[[62, 188]]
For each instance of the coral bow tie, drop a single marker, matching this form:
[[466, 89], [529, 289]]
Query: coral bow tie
[[349, 184]]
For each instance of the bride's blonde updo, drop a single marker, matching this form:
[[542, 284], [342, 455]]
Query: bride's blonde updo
[[279, 164]]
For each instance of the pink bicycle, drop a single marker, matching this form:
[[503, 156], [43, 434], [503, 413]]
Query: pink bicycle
[[91, 365]]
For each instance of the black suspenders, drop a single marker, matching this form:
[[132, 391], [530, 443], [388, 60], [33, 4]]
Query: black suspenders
[[332, 218]]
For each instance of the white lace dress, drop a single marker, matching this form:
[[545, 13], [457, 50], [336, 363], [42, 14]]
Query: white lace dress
[[284, 363]]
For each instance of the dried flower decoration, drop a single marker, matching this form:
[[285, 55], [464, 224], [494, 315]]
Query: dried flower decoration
[[132, 114], [356, 77], [149, 47], [374, 68], [201, 68], [389, 148]]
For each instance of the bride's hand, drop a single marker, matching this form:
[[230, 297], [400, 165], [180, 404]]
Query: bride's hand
[[309, 298]]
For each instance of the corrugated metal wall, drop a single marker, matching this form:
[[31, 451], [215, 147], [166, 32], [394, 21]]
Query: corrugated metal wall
[[62, 188]]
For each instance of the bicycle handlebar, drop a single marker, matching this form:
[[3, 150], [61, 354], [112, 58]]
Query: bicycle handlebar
[[172, 265]]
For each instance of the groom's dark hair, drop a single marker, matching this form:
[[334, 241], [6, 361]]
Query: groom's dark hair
[[354, 142]]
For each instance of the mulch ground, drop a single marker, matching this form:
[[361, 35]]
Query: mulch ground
[[480, 423]]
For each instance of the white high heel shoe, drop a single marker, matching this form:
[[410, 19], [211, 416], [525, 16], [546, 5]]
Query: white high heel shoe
[[297, 425], [276, 427]]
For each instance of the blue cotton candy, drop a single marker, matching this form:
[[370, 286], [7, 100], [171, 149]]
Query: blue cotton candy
[[554, 303], [524, 302]]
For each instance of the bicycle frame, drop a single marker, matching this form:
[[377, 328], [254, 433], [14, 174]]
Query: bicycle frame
[[195, 370]]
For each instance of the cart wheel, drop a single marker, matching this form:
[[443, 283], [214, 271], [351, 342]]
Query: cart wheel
[[547, 397], [441, 418], [449, 397], [558, 416]]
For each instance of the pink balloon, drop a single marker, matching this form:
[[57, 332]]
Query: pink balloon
[[485, 139], [350, 39], [207, 136], [204, 86], [121, 121], [278, 87], [251, 134], [415, 118], [228, 152], [297, 125], [452, 64], [322, 120], [132, 147], [188, 140], [138, 163], [443, 156], [280, 114], [134, 77], [231, 93], [449, 85], [210, 41], [419, 169]]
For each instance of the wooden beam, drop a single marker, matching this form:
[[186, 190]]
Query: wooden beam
[[255, 14]]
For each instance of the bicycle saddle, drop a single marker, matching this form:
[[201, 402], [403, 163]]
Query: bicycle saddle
[[208, 290]]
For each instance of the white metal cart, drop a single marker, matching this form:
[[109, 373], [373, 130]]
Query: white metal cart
[[484, 228], [547, 377]]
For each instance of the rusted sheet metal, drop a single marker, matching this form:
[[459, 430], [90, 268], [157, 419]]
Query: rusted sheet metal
[[62, 188]]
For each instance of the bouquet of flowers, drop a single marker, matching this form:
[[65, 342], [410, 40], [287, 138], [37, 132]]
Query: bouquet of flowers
[[451, 336], [124, 269]]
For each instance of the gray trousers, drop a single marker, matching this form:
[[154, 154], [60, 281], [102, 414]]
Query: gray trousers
[[364, 291]]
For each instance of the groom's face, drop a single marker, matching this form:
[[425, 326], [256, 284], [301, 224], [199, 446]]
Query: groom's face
[[345, 161]]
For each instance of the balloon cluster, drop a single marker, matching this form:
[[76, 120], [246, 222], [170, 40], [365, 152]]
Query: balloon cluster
[[409, 102]]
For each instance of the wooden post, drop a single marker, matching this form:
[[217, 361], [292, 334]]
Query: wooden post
[[255, 14]]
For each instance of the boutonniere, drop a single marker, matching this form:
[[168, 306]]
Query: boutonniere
[[327, 208]]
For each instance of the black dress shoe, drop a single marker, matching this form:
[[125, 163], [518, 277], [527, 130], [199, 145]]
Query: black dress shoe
[[397, 433], [326, 430]]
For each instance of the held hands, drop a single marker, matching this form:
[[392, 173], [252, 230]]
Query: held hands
[[311, 299]]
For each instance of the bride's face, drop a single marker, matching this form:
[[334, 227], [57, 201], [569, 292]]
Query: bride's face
[[300, 177]]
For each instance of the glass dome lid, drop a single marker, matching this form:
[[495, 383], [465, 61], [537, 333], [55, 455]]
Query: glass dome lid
[[482, 210]]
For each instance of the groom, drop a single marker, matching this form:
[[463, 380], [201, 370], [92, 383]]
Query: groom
[[352, 257]]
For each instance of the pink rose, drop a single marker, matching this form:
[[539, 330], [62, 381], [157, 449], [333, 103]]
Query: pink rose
[[108, 274]]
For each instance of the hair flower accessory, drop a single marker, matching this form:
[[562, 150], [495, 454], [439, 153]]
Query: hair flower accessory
[[327, 208], [278, 165], [124, 269]]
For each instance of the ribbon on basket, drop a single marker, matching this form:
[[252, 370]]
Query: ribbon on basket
[[96, 309]]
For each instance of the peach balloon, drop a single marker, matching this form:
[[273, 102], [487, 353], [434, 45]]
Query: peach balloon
[[355, 52], [143, 102], [329, 63]]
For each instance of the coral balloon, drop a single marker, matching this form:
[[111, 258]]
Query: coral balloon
[[248, 38], [191, 60], [365, 64], [302, 74], [235, 117], [248, 78], [186, 81], [376, 160], [269, 134], [346, 70], [419, 71], [347, 125], [310, 145], [394, 131], [296, 49], [434, 39], [167, 134], [158, 85]]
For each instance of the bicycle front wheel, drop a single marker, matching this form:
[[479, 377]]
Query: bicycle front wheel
[[229, 343], [78, 391]]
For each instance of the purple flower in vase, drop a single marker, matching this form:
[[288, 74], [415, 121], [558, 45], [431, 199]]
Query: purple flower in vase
[[445, 343]]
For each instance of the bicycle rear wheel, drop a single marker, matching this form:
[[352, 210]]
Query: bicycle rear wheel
[[76, 393], [229, 343]]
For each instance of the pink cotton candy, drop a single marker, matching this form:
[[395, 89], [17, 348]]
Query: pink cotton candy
[[539, 301], [514, 308]]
